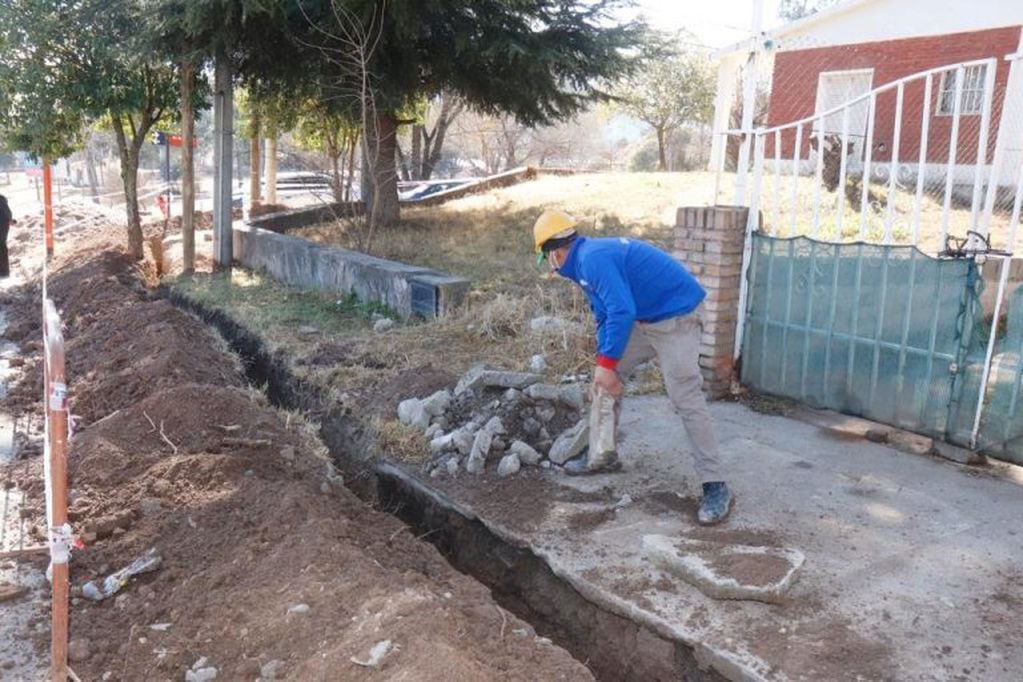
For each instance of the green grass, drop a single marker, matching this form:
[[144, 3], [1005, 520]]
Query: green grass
[[260, 302]]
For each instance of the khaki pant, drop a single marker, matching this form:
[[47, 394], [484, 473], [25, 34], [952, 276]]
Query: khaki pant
[[676, 343]]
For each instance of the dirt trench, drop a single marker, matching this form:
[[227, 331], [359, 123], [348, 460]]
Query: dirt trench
[[611, 646]]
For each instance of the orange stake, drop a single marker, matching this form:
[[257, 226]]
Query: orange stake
[[57, 414], [48, 204]]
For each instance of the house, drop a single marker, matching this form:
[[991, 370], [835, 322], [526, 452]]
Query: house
[[829, 58]]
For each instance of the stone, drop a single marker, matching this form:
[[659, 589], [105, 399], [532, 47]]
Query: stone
[[433, 431], [79, 649], [452, 466], [478, 454], [298, 608], [383, 324], [201, 674], [481, 377], [508, 465], [568, 394], [494, 426], [271, 669], [512, 395], [288, 453], [437, 403], [462, 439], [412, 412], [531, 426], [441, 422], [525, 452], [439, 444], [149, 506], [570, 443], [538, 364], [498, 445], [545, 413]]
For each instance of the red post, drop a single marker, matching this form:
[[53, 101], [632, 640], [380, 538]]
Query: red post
[[57, 414], [48, 204]]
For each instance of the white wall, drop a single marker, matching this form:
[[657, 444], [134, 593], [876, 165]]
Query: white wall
[[874, 20]]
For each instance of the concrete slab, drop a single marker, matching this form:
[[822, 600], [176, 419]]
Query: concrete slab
[[913, 566]]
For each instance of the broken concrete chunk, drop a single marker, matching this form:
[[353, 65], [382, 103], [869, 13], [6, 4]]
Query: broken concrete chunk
[[480, 377], [568, 394], [531, 426], [727, 571], [538, 364], [462, 439], [480, 449], [443, 442], [494, 426], [413, 413], [437, 403], [570, 443], [545, 413], [452, 466], [526, 454], [509, 465]]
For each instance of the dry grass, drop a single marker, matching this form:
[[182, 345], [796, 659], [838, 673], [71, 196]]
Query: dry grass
[[487, 237], [778, 210], [404, 442]]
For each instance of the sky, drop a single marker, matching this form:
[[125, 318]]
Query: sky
[[716, 23]]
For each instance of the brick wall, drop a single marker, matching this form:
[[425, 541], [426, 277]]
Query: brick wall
[[796, 72], [709, 242]]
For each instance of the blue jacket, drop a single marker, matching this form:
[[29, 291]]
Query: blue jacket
[[628, 280]]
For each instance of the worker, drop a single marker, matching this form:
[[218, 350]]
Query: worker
[[645, 304], [6, 220]]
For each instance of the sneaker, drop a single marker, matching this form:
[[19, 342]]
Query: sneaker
[[580, 466], [716, 504]]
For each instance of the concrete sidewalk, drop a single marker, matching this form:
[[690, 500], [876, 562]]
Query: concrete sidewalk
[[913, 566]]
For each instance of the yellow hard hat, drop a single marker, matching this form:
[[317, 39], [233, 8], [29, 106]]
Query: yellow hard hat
[[551, 224]]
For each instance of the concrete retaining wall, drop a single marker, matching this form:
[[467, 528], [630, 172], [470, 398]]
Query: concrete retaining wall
[[408, 289], [292, 219]]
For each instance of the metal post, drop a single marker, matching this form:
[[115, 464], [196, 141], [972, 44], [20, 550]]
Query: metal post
[[56, 408], [749, 96], [167, 179], [223, 247], [48, 205]]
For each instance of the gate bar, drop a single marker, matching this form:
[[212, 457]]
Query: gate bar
[[1002, 279], [953, 148], [921, 169]]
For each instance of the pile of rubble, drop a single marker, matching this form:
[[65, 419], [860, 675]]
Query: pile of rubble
[[510, 418]]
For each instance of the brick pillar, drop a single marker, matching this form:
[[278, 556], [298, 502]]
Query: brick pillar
[[709, 242]]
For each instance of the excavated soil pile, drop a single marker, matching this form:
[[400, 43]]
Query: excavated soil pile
[[268, 567]]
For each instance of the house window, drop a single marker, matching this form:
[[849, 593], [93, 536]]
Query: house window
[[973, 91]]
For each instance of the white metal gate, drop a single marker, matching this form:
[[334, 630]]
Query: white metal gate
[[912, 163]]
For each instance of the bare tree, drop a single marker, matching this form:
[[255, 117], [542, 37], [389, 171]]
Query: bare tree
[[428, 137], [349, 46]]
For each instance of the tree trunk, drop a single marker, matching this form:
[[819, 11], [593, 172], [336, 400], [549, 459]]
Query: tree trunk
[[90, 172], [352, 149], [402, 162], [255, 165], [418, 161], [334, 152], [382, 176], [662, 162], [271, 170], [187, 168], [129, 153]]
